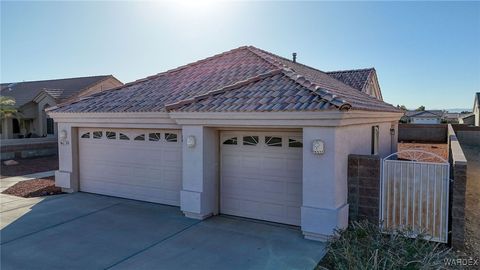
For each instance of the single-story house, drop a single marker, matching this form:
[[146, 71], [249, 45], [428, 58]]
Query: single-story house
[[451, 118], [467, 119], [424, 117], [476, 109], [244, 133], [32, 97]]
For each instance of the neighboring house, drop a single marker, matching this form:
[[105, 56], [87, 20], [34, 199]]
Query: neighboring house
[[467, 119], [364, 80], [424, 117], [31, 99], [451, 118], [476, 109], [244, 133]]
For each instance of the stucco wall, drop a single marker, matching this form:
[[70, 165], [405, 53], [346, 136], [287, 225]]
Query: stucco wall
[[325, 186]]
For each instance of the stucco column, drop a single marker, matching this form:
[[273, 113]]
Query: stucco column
[[7, 128], [324, 206], [67, 175], [199, 196]]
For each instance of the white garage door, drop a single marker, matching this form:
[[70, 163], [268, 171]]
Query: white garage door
[[132, 163], [261, 175]]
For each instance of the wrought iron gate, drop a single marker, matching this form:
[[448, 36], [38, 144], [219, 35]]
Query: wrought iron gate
[[415, 192]]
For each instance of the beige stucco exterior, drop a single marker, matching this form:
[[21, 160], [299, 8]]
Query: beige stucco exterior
[[324, 177]]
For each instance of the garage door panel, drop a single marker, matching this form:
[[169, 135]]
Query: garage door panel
[[142, 170], [133, 192], [262, 181], [134, 179], [251, 162]]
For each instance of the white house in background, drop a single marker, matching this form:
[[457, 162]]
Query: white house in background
[[467, 119], [32, 97], [424, 117], [244, 133], [476, 109]]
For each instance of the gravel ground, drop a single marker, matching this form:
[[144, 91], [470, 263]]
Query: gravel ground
[[440, 149], [472, 203], [34, 188], [30, 165]]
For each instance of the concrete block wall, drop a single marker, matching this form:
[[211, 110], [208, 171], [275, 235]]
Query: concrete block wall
[[468, 137], [422, 133], [29, 150], [364, 187], [458, 175]]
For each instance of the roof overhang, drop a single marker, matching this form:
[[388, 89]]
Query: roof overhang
[[225, 119]]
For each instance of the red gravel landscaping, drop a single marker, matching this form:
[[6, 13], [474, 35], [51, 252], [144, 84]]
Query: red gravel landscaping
[[30, 165], [34, 188]]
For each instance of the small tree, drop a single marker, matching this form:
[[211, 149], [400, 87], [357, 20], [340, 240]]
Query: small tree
[[421, 108], [402, 107], [7, 107]]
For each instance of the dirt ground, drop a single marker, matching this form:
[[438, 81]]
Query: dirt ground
[[472, 204], [30, 165], [440, 149]]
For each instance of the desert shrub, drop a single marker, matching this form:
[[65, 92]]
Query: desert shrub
[[363, 246]]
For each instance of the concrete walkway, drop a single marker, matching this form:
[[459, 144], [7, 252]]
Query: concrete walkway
[[10, 181], [87, 231]]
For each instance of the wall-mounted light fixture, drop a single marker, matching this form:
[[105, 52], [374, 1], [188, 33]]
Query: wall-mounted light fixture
[[392, 131], [63, 137], [318, 147], [191, 141]]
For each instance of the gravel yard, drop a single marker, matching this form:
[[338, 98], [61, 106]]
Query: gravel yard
[[29, 166], [34, 188], [440, 149]]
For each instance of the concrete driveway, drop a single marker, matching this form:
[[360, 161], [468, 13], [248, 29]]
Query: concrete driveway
[[87, 231]]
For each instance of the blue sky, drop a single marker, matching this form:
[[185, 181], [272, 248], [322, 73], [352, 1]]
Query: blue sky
[[425, 53]]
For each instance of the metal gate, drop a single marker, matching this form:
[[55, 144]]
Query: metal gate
[[415, 193]]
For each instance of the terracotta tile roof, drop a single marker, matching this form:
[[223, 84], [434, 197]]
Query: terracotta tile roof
[[356, 78], [24, 92], [243, 79]]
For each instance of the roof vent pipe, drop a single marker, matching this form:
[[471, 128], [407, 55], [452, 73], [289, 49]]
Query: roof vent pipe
[[294, 57]]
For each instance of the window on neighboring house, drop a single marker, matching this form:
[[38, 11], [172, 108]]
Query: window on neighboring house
[[375, 139], [50, 126]]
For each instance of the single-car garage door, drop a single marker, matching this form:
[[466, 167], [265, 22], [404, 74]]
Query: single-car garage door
[[261, 175], [131, 163]]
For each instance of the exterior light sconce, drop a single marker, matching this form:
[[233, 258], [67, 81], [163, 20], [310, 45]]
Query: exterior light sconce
[[63, 137], [318, 147], [392, 131], [191, 141]]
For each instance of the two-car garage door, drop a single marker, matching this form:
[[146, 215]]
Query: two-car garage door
[[261, 175], [131, 163], [261, 172]]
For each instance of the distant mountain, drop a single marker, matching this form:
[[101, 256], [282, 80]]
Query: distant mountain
[[456, 110]]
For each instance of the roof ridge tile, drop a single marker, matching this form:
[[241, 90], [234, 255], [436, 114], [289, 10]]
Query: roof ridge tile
[[222, 89]]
